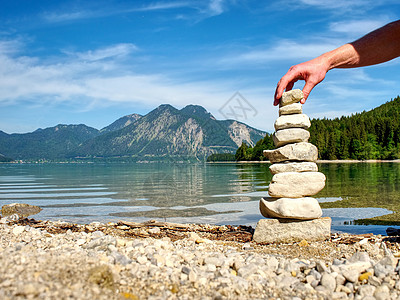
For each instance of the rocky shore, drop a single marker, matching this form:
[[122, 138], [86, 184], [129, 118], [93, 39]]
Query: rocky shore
[[57, 260]]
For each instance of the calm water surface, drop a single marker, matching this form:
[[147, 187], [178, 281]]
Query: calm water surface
[[201, 193]]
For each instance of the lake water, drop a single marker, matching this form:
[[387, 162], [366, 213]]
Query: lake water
[[221, 193]]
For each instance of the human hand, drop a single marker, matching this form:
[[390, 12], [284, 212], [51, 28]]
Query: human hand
[[312, 72]]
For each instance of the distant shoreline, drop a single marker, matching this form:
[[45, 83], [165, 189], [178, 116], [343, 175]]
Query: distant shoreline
[[320, 161], [326, 161]]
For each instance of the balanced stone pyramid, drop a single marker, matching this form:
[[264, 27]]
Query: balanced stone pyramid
[[295, 214]]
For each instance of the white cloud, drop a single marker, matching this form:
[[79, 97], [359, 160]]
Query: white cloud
[[358, 27], [54, 17], [162, 6], [194, 10], [118, 50], [340, 91], [90, 13], [329, 114], [339, 4], [8, 47], [358, 76], [93, 83], [216, 7], [100, 80], [283, 50]]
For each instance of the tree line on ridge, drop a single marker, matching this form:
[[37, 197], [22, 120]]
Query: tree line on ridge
[[373, 134]]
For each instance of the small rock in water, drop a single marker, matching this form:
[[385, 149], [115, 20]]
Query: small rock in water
[[21, 209], [391, 231]]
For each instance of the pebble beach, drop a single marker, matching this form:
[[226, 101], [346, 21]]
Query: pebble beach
[[58, 260]]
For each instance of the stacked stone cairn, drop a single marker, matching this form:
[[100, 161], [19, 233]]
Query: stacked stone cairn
[[295, 215]]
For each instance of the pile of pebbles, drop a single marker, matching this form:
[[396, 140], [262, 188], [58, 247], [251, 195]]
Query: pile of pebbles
[[295, 173], [93, 265]]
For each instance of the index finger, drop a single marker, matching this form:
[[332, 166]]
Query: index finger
[[286, 82], [281, 88]]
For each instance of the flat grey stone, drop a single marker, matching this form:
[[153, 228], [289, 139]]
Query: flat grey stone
[[290, 97], [289, 136], [296, 185], [293, 152], [293, 167], [288, 231], [290, 208], [295, 108], [292, 121]]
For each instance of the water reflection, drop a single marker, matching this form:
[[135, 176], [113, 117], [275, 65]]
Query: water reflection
[[214, 193]]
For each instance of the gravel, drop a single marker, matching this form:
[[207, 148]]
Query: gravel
[[97, 261]]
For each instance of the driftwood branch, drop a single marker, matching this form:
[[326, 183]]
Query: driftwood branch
[[153, 223]]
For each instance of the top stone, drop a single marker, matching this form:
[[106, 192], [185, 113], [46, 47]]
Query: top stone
[[290, 97]]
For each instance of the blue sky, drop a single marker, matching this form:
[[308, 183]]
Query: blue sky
[[91, 62]]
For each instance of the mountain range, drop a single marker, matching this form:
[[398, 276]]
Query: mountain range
[[190, 132]]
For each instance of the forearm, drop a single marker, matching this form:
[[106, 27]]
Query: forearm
[[376, 47]]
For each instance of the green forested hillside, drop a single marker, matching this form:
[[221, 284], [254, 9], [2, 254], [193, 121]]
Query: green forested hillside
[[374, 134], [221, 157], [50, 143], [5, 159], [368, 135], [245, 152]]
